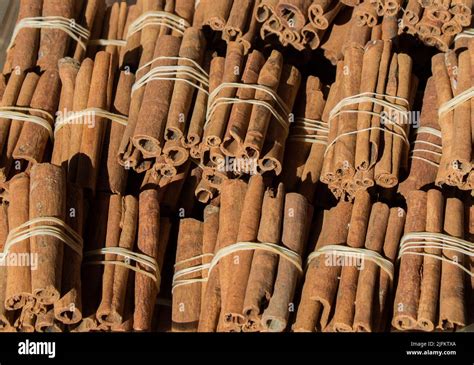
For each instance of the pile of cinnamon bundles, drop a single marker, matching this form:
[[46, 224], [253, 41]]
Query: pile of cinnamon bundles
[[237, 166], [437, 22]]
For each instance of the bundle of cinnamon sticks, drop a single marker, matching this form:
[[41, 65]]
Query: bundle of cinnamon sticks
[[241, 277], [301, 24], [48, 30], [41, 229], [164, 168], [452, 76], [437, 23], [369, 119], [350, 273], [248, 116], [432, 291]]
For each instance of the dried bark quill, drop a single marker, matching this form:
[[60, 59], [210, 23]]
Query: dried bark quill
[[237, 166]]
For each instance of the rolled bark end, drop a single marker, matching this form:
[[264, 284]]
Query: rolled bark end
[[213, 141], [342, 327], [291, 15], [271, 164], [69, 315], [17, 301], [176, 154], [47, 295], [404, 322], [426, 325], [148, 145], [391, 7], [321, 22], [168, 171], [262, 13], [273, 324]]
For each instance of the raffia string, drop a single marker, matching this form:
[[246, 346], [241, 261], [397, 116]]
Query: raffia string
[[107, 42], [281, 113], [158, 18], [199, 77], [130, 256], [467, 33], [44, 226], [177, 277], [429, 130], [309, 131], [353, 252], [377, 99], [282, 251], [433, 132], [77, 117], [424, 240], [23, 114], [69, 26], [456, 101], [401, 135]]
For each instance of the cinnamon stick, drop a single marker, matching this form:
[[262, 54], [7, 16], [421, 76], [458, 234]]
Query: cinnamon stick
[[47, 199]]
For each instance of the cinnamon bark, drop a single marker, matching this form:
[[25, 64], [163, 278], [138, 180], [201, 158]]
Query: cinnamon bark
[[296, 223], [6, 317], [346, 303], [422, 172], [429, 292], [260, 118], [81, 96], [54, 43], [121, 232], [187, 298], [25, 49], [242, 261], [18, 278], [92, 15], [264, 263], [310, 106], [68, 70], [214, 132], [148, 136], [452, 300], [47, 199], [113, 176], [33, 138], [211, 297], [321, 281], [214, 14], [233, 194], [68, 309], [146, 290], [240, 115], [366, 303], [15, 127], [409, 279], [274, 146], [395, 225], [192, 47], [92, 137]]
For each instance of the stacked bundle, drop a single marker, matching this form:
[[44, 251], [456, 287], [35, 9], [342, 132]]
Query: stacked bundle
[[368, 119], [301, 24], [241, 277], [452, 77], [432, 288], [437, 22], [115, 132], [234, 18], [350, 273], [248, 116]]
